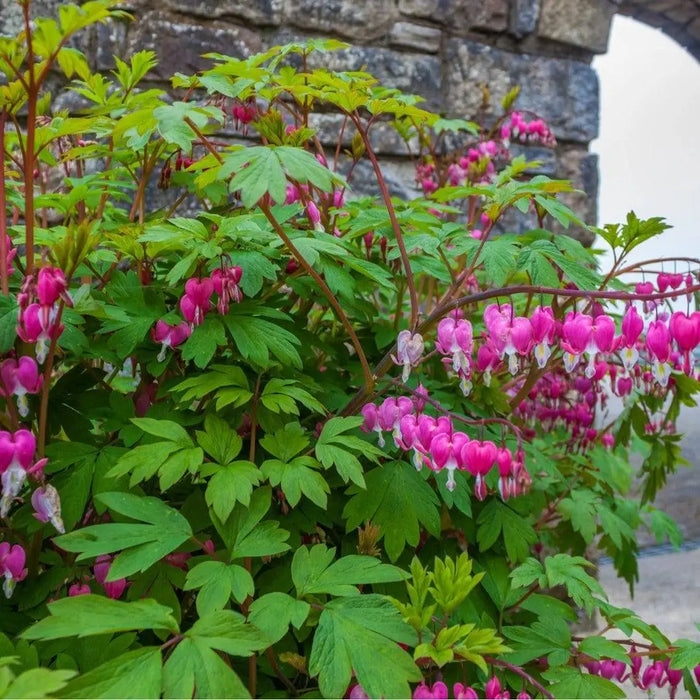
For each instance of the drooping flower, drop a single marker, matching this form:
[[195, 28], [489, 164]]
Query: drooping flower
[[438, 691], [36, 325], [464, 692], [51, 286], [511, 335], [196, 301], [16, 462], [446, 450], [486, 360], [19, 378], [504, 461], [455, 339], [10, 254], [543, 331], [632, 327], [409, 351], [658, 344], [113, 589], [685, 330], [12, 560], [170, 336], [78, 589], [477, 458], [226, 284], [369, 412], [492, 689], [47, 507]]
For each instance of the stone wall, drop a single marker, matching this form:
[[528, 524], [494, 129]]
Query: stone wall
[[440, 49]]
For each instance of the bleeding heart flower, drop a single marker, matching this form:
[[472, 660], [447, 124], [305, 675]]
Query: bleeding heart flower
[[47, 507], [12, 560], [170, 336], [446, 451], [632, 327], [16, 462], [226, 284], [39, 325], [543, 332], [478, 458], [658, 344], [20, 378], [113, 589], [685, 330], [455, 339], [464, 692], [196, 301], [409, 351]]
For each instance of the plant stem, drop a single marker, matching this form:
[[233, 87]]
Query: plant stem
[[519, 671], [3, 211], [394, 223], [367, 372], [29, 147]]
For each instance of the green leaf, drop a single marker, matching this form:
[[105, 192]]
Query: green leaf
[[202, 345], [686, 655], [228, 382], [602, 648], [258, 171], [164, 428], [498, 518], [354, 632], [172, 126], [296, 478], [567, 682], [231, 484], [36, 683], [568, 571], [498, 256], [162, 531], [580, 509], [135, 674], [195, 666], [399, 501], [314, 571], [282, 395], [218, 581], [228, 631], [274, 612], [549, 636], [335, 448], [221, 442], [256, 338], [87, 615], [286, 442]]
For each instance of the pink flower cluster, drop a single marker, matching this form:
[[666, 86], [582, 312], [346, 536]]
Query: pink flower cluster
[[12, 560], [38, 320], [535, 131], [436, 444], [580, 335], [439, 691], [655, 674], [196, 303]]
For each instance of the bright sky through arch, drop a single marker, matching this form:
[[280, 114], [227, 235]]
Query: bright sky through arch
[[649, 143]]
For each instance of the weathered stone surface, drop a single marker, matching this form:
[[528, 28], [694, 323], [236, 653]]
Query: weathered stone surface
[[11, 17], [460, 15], [563, 92], [109, 41], [399, 176], [361, 20], [415, 36], [179, 45], [523, 17], [412, 73], [262, 12], [488, 15], [584, 23]]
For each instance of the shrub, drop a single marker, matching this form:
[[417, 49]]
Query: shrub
[[194, 500]]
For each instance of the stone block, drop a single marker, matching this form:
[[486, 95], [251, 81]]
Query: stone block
[[584, 23], [261, 12], [563, 92], [483, 15], [359, 20], [412, 73], [109, 41], [416, 36], [523, 17], [694, 28], [179, 45], [460, 15]]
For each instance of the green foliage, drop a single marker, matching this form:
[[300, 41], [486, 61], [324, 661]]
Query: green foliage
[[229, 530]]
